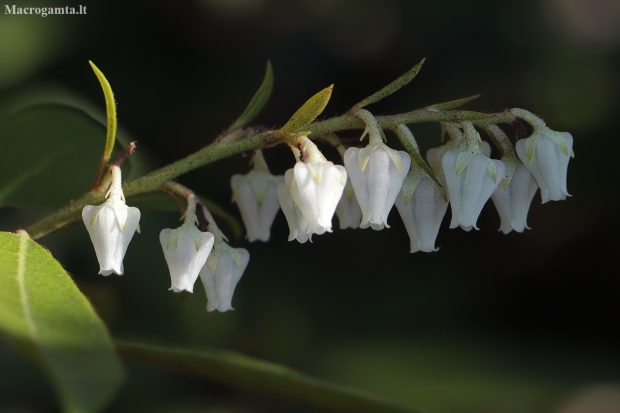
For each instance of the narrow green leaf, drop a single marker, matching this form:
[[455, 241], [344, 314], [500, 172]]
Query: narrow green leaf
[[257, 103], [256, 375], [110, 106], [48, 156], [453, 104], [391, 88], [308, 111], [158, 201], [44, 313]]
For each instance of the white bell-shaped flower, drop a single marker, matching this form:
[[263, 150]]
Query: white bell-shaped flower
[[377, 173], [186, 250], [546, 154], [256, 195], [471, 178], [316, 187], [348, 209], [513, 201], [221, 274], [422, 208], [111, 226], [297, 224]]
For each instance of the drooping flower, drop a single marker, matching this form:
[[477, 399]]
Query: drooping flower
[[257, 198], [471, 178], [297, 224], [111, 226], [513, 198], [546, 154], [377, 173], [422, 208], [316, 187], [221, 274], [348, 209], [186, 250]]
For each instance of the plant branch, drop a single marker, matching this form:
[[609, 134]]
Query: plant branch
[[155, 180]]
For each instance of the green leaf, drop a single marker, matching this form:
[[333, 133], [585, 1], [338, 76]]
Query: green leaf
[[401, 81], [308, 111], [158, 201], [110, 106], [44, 313], [258, 101], [453, 104], [49, 155], [261, 376]]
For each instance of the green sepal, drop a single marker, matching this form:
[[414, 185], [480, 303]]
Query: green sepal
[[559, 140], [530, 146], [119, 208], [463, 159], [511, 163], [364, 155], [214, 257], [120, 211], [531, 143], [491, 168], [191, 229]]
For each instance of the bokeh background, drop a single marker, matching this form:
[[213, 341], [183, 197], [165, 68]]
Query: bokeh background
[[523, 323]]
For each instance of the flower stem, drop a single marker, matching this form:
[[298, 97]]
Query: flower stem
[[155, 180]]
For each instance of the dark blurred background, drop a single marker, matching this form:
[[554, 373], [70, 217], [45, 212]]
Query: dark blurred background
[[521, 323]]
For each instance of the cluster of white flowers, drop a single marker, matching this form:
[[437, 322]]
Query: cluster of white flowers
[[189, 252], [459, 173]]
